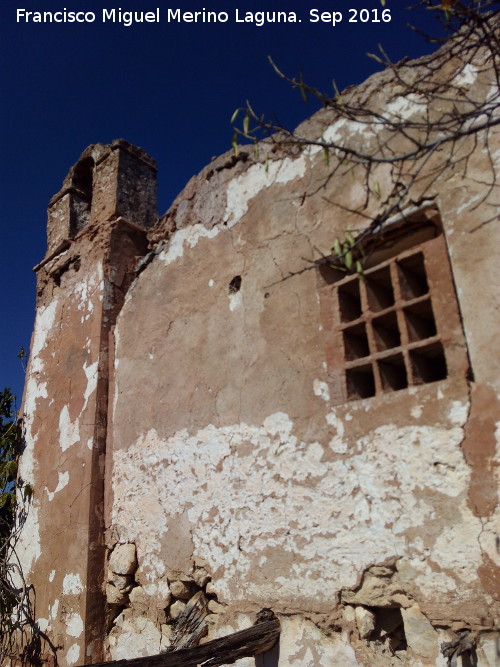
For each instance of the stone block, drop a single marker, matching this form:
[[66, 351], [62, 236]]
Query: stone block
[[420, 635], [180, 590], [176, 609], [115, 596], [366, 622], [123, 559]]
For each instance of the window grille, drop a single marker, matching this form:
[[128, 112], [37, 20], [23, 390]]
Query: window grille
[[396, 326]]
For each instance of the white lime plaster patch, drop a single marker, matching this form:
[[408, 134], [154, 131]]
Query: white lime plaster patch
[[416, 412], [69, 432], [342, 129], [467, 76], [235, 301], [337, 444], [468, 203], [301, 642], [53, 610], [488, 540], [210, 283], [458, 546], [74, 625], [52, 575], [62, 482], [406, 106], [43, 624], [244, 188], [418, 572], [188, 236], [35, 386], [133, 638], [239, 486], [487, 649], [92, 376], [73, 654], [72, 584], [85, 289], [28, 548], [458, 413], [321, 390]]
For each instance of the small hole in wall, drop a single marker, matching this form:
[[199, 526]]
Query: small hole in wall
[[235, 284], [266, 295], [389, 628]]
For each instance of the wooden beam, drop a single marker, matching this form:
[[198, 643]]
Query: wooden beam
[[223, 651]]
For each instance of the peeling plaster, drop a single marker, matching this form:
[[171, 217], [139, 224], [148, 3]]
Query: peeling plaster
[[53, 610], [63, 481], [35, 388], [92, 377], [240, 486], [133, 638], [302, 643], [467, 76], [73, 654], [69, 432], [244, 188], [337, 444], [28, 548], [72, 584], [416, 412], [85, 289], [321, 390], [406, 106], [74, 625], [458, 413], [188, 236], [235, 301], [342, 128], [43, 624]]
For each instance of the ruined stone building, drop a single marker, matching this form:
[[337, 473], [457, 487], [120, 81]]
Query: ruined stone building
[[209, 410]]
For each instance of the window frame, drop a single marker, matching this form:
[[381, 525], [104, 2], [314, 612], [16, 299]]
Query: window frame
[[376, 344]]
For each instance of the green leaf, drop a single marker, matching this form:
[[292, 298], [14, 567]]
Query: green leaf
[[348, 259], [235, 116], [246, 123], [336, 247], [234, 143]]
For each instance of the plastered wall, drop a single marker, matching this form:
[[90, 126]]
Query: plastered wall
[[183, 431]]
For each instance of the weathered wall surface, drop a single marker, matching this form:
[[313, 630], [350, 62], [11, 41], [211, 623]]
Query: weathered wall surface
[[235, 458], [185, 430]]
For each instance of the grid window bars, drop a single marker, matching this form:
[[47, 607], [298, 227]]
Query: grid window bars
[[390, 328]]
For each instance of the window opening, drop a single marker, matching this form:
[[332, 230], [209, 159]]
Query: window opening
[[385, 330], [82, 184]]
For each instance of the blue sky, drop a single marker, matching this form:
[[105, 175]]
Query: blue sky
[[170, 88]]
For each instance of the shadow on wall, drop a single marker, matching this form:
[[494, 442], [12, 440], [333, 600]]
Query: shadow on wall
[[269, 658]]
